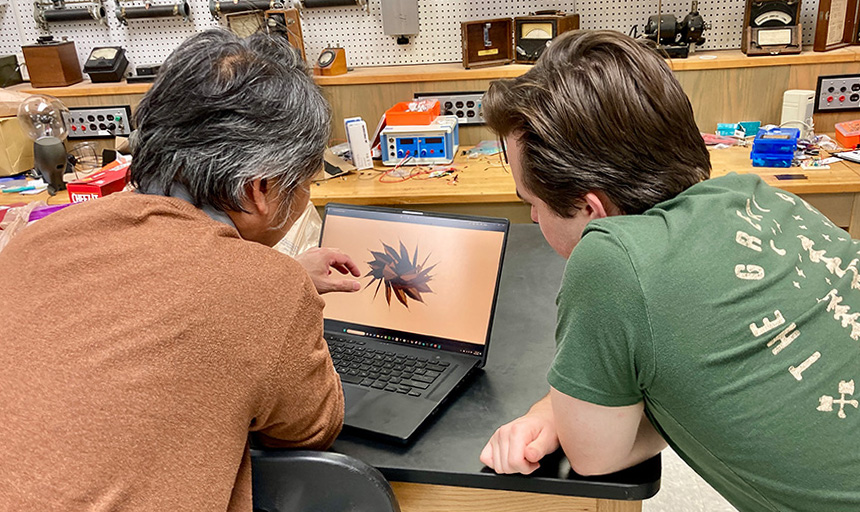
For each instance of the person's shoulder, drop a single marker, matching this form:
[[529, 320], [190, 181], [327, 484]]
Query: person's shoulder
[[277, 265], [599, 249]]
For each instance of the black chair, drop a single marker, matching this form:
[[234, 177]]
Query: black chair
[[305, 481]]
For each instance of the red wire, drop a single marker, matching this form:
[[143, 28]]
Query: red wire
[[399, 164]]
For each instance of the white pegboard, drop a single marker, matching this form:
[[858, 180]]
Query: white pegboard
[[149, 41]]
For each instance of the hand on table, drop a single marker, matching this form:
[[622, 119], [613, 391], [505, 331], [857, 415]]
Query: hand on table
[[320, 261], [518, 446]]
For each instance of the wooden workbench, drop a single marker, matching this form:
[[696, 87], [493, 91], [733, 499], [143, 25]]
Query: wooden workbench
[[484, 186]]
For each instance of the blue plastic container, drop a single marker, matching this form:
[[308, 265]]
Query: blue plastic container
[[776, 141], [771, 159]]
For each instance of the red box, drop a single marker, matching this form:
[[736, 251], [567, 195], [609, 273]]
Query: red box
[[848, 134], [112, 178]]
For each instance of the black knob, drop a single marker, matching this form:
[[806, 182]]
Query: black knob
[[111, 127]]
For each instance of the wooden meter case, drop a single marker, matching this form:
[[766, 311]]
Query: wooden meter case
[[533, 33], [487, 42]]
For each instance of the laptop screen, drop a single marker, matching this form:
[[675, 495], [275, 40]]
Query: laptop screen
[[427, 279]]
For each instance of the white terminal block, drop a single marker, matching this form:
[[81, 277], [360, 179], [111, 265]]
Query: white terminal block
[[359, 145], [797, 108]]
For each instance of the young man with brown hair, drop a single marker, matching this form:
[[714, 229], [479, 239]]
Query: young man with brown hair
[[719, 316]]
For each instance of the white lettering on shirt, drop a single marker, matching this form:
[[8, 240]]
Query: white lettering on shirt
[[825, 403], [840, 312], [748, 240], [748, 219], [749, 272], [784, 338], [785, 197], [777, 250], [767, 325]]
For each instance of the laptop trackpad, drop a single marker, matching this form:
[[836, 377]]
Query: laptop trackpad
[[385, 413], [352, 395]]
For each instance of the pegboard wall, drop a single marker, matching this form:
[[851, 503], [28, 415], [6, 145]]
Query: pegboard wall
[[359, 31]]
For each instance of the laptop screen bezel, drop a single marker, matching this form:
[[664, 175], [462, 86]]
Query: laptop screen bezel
[[503, 223]]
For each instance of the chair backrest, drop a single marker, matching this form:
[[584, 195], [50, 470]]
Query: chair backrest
[[305, 481]]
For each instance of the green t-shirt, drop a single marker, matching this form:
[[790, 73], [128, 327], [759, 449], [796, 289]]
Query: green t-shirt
[[733, 311]]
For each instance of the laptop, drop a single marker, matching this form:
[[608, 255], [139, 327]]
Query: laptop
[[420, 325]]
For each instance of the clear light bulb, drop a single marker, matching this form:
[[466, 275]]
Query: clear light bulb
[[43, 116]]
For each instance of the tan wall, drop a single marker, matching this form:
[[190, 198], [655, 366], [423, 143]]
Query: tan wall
[[717, 96]]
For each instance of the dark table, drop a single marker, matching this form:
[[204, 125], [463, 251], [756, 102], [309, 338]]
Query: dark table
[[446, 451]]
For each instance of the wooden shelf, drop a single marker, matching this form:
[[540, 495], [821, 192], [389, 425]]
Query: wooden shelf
[[86, 88], [733, 59], [721, 59], [423, 73]]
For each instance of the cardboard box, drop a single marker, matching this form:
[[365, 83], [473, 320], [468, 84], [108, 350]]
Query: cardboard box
[[16, 148], [112, 178]]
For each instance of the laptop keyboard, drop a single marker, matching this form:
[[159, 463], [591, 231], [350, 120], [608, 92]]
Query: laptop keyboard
[[381, 369]]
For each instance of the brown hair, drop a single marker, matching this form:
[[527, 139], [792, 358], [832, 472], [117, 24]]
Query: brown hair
[[600, 112]]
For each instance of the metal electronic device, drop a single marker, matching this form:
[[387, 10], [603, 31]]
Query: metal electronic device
[[99, 122], [432, 144], [533, 33], [467, 106], [772, 27], [106, 64], [677, 37], [837, 93]]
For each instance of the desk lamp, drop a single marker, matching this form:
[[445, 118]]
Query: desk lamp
[[43, 118]]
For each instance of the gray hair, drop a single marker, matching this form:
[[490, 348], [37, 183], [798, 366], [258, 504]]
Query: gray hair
[[226, 111]]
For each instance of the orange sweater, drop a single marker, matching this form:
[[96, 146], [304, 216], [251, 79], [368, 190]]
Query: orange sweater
[[140, 341]]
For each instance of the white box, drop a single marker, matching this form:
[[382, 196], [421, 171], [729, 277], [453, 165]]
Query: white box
[[359, 145], [797, 107]]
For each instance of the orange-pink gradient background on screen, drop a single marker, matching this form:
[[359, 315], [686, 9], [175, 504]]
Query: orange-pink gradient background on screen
[[463, 281]]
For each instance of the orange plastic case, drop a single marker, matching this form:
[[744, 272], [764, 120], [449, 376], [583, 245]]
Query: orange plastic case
[[397, 115], [848, 134]]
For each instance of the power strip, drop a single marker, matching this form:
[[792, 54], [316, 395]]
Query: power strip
[[465, 105], [99, 122], [837, 93]]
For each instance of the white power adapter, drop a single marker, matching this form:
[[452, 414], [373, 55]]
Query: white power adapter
[[797, 108]]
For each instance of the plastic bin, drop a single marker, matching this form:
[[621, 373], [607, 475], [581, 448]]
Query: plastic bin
[[398, 115], [771, 159], [848, 134], [776, 141]]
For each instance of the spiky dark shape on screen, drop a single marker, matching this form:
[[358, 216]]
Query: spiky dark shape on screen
[[403, 277]]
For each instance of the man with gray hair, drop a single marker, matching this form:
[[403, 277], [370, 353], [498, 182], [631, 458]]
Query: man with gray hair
[[158, 327]]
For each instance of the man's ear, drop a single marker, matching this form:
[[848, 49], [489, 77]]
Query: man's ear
[[257, 196], [598, 206]]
